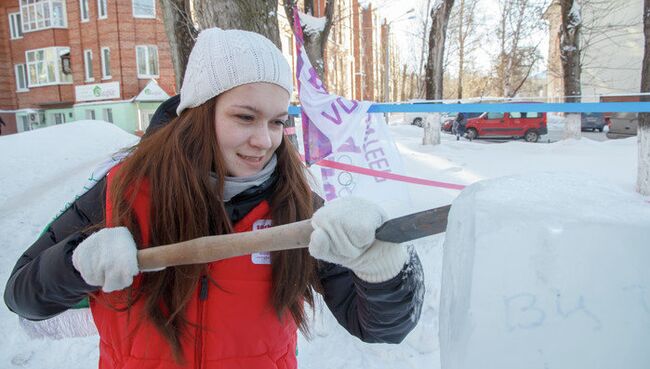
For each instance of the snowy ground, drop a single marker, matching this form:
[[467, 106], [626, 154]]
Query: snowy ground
[[42, 170]]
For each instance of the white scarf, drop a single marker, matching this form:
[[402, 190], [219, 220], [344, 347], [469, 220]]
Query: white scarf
[[233, 186]]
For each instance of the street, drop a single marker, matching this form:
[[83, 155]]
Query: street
[[556, 135], [552, 136]]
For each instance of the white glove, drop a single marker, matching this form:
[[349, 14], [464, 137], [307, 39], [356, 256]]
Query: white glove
[[108, 258], [344, 234]]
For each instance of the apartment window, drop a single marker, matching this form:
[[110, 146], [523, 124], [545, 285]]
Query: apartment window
[[144, 8], [147, 60], [44, 66], [106, 63], [42, 14], [21, 78], [59, 118], [90, 114], [88, 65], [102, 9], [107, 115], [15, 26], [83, 10]]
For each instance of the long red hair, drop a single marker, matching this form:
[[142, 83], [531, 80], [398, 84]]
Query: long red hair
[[176, 161]]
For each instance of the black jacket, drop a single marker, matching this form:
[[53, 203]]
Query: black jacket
[[44, 282], [460, 118]]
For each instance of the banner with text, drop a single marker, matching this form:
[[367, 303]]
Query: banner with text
[[342, 130]]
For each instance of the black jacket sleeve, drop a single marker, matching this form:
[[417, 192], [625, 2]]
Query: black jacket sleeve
[[374, 312], [44, 282]]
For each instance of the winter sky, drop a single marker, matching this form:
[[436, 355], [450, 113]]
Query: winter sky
[[406, 31]]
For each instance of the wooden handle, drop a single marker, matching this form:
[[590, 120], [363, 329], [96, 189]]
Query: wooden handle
[[212, 248]]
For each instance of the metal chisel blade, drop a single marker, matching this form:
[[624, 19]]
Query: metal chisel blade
[[413, 226]]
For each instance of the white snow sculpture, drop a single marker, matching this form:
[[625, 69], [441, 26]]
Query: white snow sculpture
[[546, 271]]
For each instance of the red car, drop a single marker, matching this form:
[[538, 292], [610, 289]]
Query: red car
[[527, 125], [446, 126]]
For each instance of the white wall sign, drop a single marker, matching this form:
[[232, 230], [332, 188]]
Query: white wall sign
[[98, 91], [152, 92]]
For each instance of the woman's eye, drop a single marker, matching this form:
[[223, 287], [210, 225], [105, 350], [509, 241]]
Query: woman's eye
[[282, 122], [247, 118]]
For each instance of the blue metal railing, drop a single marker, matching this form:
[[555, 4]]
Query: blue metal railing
[[601, 107]]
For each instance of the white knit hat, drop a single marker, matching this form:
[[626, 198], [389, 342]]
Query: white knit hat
[[223, 59]]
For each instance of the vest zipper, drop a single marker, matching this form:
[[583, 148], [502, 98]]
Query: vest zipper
[[203, 295], [204, 288]]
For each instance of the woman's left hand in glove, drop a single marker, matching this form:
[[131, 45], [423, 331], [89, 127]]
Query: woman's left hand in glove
[[344, 234]]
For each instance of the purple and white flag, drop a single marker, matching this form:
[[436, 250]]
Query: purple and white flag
[[341, 130]]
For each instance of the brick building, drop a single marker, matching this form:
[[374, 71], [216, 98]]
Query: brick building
[[66, 60]]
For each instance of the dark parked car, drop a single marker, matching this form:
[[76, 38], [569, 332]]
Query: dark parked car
[[593, 121]]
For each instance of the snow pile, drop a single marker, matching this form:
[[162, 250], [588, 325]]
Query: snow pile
[[41, 171], [312, 25], [546, 271], [44, 169], [575, 15]]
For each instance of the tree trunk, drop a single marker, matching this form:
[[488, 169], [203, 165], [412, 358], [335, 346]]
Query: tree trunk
[[249, 15], [461, 50], [395, 78], [424, 40], [570, 48], [434, 68], [404, 77], [572, 126], [414, 90], [518, 24], [181, 34], [520, 11], [431, 129], [643, 176], [504, 58], [315, 42]]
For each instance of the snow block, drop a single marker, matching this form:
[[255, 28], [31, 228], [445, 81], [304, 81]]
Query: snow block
[[546, 271]]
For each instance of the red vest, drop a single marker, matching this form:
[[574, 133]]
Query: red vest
[[238, 325]]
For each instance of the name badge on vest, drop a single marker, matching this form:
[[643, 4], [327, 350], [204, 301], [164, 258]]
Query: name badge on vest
[[261, 257]]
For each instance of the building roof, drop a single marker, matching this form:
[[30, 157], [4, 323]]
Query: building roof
[[152, 92]]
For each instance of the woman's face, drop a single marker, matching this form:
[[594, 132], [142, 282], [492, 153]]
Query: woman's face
[[249, 121]]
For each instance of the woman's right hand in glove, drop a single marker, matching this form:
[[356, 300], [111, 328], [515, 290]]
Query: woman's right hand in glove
[[107, 259]]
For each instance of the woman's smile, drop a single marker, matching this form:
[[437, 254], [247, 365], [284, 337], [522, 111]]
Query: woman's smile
[[253, 160]]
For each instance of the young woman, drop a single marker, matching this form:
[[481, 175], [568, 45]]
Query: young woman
[[221, 166]]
